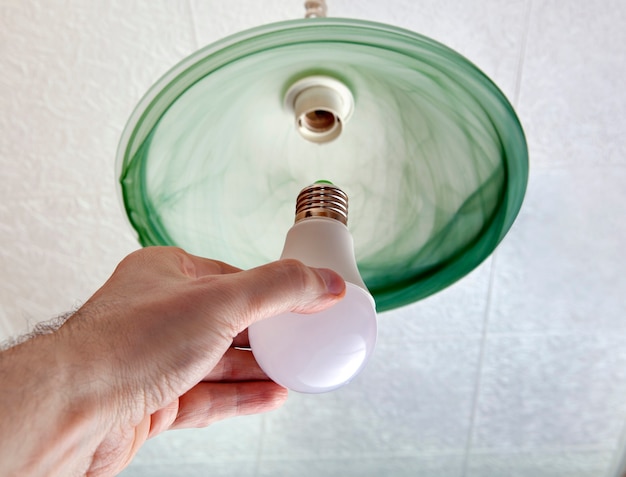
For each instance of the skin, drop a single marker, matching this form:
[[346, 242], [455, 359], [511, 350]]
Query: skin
[[153, 349]]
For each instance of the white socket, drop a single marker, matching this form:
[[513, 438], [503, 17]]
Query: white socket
[[321, 106]]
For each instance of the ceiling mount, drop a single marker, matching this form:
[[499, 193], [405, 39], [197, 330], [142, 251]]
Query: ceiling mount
[[315, 9]]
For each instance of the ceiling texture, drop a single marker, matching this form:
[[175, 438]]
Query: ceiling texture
[[519, 369]]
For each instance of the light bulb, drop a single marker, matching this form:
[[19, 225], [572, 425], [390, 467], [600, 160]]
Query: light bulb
[[319, 352]]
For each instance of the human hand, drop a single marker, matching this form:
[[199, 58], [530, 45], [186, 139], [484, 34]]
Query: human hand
[[155, 349]]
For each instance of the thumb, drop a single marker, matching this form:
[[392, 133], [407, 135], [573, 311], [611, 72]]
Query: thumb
[[280, 287]]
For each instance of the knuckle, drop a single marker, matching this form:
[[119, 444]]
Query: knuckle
[[295, 271], [151, 256], [228, 307], [291, 264]]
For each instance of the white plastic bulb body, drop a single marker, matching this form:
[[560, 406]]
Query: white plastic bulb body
[[319, 352]]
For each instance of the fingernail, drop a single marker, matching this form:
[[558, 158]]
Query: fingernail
[[334, 283]]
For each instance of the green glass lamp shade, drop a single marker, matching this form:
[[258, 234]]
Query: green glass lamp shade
[[433, 158]]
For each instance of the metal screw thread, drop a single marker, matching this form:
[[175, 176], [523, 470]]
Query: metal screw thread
[[322, 200]]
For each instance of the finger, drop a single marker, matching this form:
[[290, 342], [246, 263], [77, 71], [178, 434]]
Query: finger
[[206, 403], [141, 434], [278, 287], [162, 419], [236, 365]]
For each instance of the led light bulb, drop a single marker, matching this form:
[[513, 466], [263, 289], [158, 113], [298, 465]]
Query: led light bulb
[[319, 352]]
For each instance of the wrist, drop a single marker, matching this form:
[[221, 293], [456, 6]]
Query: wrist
[[48, 411]]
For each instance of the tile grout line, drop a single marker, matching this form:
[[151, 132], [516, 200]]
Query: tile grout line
[[194, 27], [481, 353], [435, 337], [259, 454], [522, 56], [479, 367], [617, 466]]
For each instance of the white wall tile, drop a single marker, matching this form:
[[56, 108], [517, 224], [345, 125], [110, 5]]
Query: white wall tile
[[55, 253], [489, 33], [617, 466], [558, 268], [439, 465], [575, 463], [572, 100], [542, 393], [458, 310], [71, 74], [216, 20], [184, 468]]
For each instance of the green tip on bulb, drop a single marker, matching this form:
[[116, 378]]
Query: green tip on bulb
[[323, 182]]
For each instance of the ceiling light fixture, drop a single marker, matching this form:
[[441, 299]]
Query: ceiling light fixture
[[428, 149]]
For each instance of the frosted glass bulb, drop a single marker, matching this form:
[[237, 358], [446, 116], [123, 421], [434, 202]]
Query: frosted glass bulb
[[319, 352]]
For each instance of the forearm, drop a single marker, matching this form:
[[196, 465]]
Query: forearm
[[47, 412]]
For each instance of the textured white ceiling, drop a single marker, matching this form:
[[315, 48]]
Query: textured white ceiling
[[517, 370]]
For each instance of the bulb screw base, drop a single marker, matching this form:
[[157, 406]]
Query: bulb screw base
[[322, 199]]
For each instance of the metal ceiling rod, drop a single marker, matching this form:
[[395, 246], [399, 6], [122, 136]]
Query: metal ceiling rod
[[315, 8]]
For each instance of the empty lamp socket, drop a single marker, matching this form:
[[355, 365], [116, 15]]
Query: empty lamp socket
[[321, 106]]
